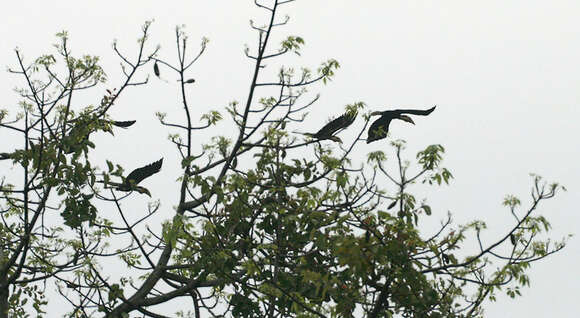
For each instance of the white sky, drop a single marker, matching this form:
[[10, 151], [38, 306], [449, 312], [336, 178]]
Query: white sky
[[505, 77]]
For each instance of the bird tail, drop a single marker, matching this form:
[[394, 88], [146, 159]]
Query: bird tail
[[311, 135]]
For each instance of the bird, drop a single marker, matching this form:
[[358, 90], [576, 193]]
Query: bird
[[79, 133], [333, 127], [75, 137], [79, 125], [130, 183], [122, 124], [380, 127]]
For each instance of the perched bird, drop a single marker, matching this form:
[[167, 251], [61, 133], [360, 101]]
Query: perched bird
[[380, 127], [130, 183], [333, 127]]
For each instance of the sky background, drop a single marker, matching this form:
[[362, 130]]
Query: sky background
[[505, 77]]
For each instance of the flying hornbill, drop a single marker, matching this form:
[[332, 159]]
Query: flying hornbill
[[333, 127], [82, 136], [72, 145], [122, 124], [380, 127], [136, 176]]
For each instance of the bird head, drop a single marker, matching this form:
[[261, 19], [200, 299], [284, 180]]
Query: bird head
[[406, 118]]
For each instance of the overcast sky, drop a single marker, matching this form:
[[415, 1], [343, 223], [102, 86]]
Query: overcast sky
[[504, 74]]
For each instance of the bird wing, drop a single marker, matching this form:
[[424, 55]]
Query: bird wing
[[123, 124], [416, 111], [336, 124], [139, 174], [379, 128]]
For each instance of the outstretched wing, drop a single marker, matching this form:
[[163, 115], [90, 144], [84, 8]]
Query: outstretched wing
[[379, 129], [142, 173], [336, 124], [123, 124], [416, 111]]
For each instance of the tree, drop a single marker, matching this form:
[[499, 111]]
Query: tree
[[267, 224]]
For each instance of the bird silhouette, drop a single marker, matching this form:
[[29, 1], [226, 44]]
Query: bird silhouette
[[130, 183], [380, 127], [333, 127], [80, 134]]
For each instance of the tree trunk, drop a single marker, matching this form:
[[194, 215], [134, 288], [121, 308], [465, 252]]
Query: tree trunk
[[4, 293]]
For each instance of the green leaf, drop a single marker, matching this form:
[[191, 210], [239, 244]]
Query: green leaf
[[110, 166]]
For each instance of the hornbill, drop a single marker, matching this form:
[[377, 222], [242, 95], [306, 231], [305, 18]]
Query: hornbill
[[380, 127], [72, 145], [122, 124], [136, 176], [333, 127], [81, 135]]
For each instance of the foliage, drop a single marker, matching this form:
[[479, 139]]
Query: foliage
[[266, 224]]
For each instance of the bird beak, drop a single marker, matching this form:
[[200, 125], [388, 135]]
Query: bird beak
[[143, 191], [407, 119], [336, 139]]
